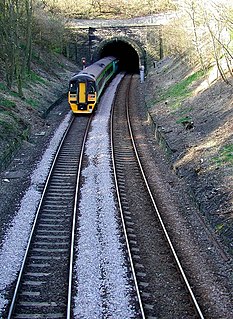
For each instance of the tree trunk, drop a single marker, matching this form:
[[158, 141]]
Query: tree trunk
[[28, 53]]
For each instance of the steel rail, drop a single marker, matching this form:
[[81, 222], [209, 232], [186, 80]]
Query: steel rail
[[193, 298], [13, 301], [69, 299], [123, 221]]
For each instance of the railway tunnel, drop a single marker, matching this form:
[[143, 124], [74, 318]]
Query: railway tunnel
[[130, 55]]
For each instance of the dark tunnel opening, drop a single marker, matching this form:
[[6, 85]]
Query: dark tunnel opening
[[128, 57]]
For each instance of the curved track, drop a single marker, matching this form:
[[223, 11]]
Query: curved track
[[124, 224], [44, 285], [43, 288], [136, 200]]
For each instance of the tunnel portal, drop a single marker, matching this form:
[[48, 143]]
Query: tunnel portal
[[125, 52]]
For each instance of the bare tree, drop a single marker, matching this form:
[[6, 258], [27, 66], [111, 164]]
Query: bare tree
[[217, 26], [28, 34], [7, 36], [212, 27], [15, 35], [192, 10]]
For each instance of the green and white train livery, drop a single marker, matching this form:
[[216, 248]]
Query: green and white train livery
[[86, 87]]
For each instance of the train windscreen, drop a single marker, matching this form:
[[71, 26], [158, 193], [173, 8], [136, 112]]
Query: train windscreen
[[73, 87]]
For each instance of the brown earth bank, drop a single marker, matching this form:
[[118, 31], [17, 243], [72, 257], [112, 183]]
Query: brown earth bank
[[21, 118], [31, 126], [193, 118], [208, 268]]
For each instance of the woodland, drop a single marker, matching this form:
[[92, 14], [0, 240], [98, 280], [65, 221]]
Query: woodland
[[202, 30], [26, 24]]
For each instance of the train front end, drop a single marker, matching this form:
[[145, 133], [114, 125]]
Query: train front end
[[82, 95]]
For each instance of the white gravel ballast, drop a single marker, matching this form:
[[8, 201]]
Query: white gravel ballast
[[103, 289], [16, 237]]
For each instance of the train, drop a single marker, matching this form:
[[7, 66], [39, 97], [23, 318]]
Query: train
[[86, 87]]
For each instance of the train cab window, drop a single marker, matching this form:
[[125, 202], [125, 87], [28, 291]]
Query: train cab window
[[91, 87], [73, 87]]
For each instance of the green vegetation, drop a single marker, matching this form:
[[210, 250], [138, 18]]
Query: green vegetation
[[3, 87], [33, 77], [202, 33], [225, 155], [178, 92], [36, 30], [11, 130], [33, 103], [219, 227], [7, 103], [8, 126], [184, 120]]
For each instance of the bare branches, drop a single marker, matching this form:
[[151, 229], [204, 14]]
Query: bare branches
[[210, 23], [20, 29], [108, 9], [15, 38]]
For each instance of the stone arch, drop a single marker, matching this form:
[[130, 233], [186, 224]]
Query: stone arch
[[121, 43]]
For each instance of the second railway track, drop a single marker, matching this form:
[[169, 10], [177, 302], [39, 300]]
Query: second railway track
[[166, 292]]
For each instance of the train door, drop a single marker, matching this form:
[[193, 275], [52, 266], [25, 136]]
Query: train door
[[82, 92]]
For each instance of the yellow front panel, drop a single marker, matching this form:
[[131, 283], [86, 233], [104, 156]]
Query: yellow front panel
[[72, 97], [82, 92]]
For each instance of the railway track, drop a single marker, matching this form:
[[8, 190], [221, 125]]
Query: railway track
[[43, 288], [45, 285], [170, 295]]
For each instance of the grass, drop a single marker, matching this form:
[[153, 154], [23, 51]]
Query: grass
[[33, 103], [184, 119], [8, 126], [7, 103], [5, 89], [225, 155], [179, 91], [12, 132], [33, 77], [219, 227]]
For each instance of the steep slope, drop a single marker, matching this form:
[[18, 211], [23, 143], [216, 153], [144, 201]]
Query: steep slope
[[47, 81], [193, 114]]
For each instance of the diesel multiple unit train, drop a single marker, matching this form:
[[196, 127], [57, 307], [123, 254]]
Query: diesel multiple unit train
[[86, 87]]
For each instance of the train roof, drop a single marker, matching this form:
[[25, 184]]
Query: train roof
[[94, 69]]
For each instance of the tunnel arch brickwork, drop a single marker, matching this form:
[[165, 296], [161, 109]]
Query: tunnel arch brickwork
[[89, 41]]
